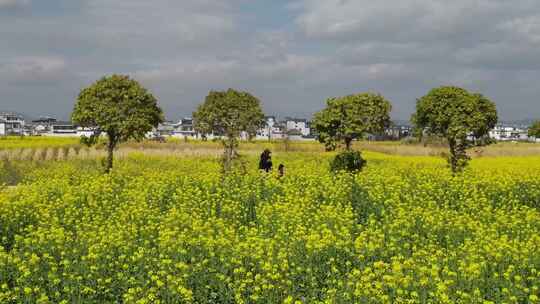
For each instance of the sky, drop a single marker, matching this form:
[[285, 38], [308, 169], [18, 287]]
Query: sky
[[292, 55]]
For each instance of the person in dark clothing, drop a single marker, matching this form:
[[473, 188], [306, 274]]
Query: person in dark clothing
[[265, 163]]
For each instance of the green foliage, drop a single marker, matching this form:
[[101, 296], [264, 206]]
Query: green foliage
[[10, 174], [90, 141], [349, 161], [119, 107], [463, 118], [347, 118], [534, 130], [229, 113], [330, 146]]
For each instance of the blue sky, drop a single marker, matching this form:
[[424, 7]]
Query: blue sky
[[291, 54]]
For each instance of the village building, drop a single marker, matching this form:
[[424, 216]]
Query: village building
[[272, 129], [398, 132], [185, 129], [11, 124], [509, 133], [43, 125], [49, 126], [299, 124], [166, 128], [266, 131], [62, 129]]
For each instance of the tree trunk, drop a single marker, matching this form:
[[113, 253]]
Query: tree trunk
[[230, 153], [348, 143], [453, 157], [110, 153], [458, 154], [228, 157]]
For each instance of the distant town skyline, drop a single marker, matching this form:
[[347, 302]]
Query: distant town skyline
[[293, 55], [279, 117]]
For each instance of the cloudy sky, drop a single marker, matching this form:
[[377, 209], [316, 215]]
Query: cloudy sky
[[291, 54]]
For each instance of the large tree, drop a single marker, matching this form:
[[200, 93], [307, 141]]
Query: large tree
[[228, 114], [462, 118], [119, 107], [347, 118], [534, 129]]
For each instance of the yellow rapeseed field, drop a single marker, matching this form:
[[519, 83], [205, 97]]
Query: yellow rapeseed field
[[169, 229], [14, 142]]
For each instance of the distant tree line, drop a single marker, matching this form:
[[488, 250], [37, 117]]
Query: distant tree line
[[121, 108]]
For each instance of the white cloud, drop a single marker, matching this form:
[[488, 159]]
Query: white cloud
[[501, 55], [409, 19], [152, 24], [493, 34], [23, 69], [293, 59], [526, 28]]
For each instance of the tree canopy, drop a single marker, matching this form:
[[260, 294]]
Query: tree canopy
[[534, 129], [119, 107], [461, 117], [229, 113], [347, 118]]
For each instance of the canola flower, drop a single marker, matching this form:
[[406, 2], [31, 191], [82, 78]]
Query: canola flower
[[172, 230], [14, 142]]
